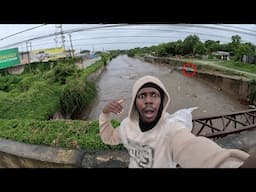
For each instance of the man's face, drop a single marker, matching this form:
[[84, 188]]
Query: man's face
[[148, 101]]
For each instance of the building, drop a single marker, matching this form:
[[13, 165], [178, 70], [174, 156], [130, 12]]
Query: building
[[248, 59], [223, 55]]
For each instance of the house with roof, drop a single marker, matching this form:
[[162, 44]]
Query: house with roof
[[223, 55]]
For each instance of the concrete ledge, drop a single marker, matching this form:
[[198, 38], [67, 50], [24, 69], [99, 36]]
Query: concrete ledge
[[18, 154], [106, 159], [15, 154]]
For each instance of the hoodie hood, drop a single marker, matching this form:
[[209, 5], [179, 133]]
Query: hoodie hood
[[133, 113]]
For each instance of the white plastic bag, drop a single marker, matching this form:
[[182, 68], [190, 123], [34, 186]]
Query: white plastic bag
[[184, 116]]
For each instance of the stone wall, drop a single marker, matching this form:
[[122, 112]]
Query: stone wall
[[15, 154]]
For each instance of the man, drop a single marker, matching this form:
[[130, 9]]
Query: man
[[156, 139]]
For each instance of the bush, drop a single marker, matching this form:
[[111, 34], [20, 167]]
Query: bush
[[76, 95], [62, 71], [7, 83]]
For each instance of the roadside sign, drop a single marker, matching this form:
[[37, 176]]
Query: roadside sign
[[9, 57]]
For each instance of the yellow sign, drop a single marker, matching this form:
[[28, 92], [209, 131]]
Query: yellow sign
[[47, 54]]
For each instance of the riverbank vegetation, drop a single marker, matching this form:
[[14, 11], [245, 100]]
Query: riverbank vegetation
[[240, 56], [250, 68], [58, 133], [28, 102]]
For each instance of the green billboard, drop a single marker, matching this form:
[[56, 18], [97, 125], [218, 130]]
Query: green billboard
[[9, 57]]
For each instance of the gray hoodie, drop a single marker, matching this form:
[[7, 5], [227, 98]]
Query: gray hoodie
[[170, 142]]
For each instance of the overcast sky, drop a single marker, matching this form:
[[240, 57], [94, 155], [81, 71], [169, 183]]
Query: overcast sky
[[115, 36]]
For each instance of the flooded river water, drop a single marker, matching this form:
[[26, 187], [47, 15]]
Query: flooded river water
[[120, 74]]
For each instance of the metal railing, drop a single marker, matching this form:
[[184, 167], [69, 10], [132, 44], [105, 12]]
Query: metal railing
[[222, 125]]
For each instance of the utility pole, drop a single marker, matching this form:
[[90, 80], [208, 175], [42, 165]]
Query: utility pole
[[27, 46], [72, 50], [30, 46], [62, 38], [59, 30]]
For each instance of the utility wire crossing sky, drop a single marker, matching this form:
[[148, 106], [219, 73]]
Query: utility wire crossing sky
[[102, 37]]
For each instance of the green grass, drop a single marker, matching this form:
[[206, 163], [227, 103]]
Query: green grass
[[93, 68], [59, 133], [251, 68], [28, 100], [217, 65]]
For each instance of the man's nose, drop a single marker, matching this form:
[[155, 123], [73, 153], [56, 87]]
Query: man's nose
[[148, 99]]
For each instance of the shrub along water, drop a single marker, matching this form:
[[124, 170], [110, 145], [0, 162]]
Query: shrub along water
[[62, 133], [28, 101], [76, 95], [39, 94]]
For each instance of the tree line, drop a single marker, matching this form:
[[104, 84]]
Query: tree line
[[192, 46]]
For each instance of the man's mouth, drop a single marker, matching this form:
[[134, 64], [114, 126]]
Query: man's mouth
[[149, 113]]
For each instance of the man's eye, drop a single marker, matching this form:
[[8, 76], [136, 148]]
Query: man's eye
[[141, 96], [155, 95]]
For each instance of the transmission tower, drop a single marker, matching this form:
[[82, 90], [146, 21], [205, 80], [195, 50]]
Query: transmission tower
[[59, 36]]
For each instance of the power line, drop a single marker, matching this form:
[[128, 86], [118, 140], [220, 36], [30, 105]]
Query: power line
[[117, 28], [6, 37], [64, 32], [216, 28], [79, 30], [238, 28], [170, 39]]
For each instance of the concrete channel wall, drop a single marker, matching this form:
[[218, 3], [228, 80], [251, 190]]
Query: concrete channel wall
[[233, 86]]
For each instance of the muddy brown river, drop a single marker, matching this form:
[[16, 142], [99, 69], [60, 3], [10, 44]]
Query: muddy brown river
[[120, 74]]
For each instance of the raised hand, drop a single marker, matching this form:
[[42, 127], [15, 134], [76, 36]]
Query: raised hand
[[114, 107]]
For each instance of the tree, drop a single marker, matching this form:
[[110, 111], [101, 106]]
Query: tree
[[212, 46], [189, 44], [200, 48], [179, 49], [161, 50], [236, 39], [244, 49], [224, 47], [170, 48]]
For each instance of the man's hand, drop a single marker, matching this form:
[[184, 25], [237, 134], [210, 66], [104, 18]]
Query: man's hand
[[114, 107], [250, 162]]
